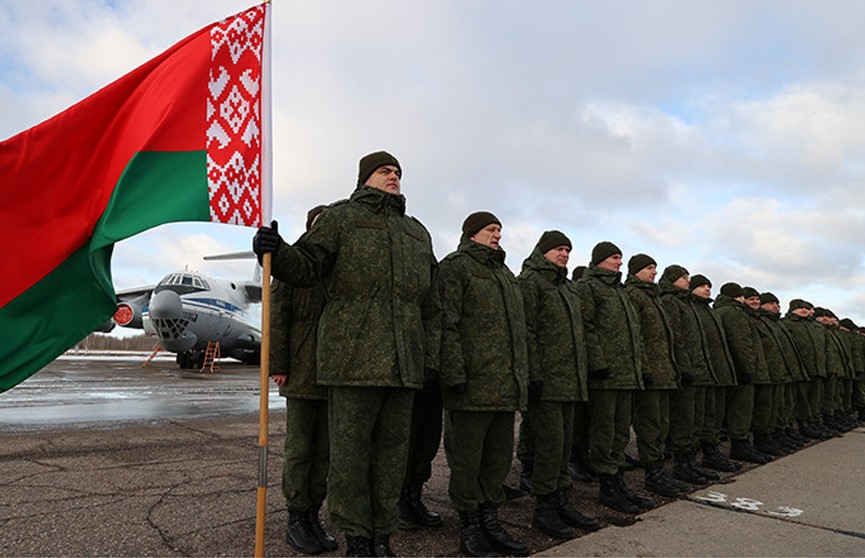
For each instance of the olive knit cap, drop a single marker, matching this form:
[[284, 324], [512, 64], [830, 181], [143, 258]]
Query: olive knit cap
[[672, 273], [748, 292], [849, 324], [799, 303], [578, 272], [372, 162], [604, 250], [733, 290], [768, 297], [553, 239], [698, 281], [639, 262], [313, 213], [822, 312], [478, 220]]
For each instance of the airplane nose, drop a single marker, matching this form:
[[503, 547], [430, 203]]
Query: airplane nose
[[166, 305]]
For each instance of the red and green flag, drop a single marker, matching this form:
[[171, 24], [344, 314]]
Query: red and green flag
[[184, 137]]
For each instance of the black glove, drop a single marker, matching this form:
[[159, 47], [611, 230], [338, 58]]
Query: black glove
[[430, 379], [599, 374], [458, 389], [266, 240], [688, 378], [536, 387], [745, 379], [648, 380]]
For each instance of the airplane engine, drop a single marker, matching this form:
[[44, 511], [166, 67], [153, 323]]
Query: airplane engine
[[128, 314]]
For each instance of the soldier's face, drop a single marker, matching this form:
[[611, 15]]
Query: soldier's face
[[703, 291], [648, 273], [802, 312], [753, 302], [385, 178], [489, 236], [613, 263], [825, 320], [558, 255], [683, 282], [772, 307]]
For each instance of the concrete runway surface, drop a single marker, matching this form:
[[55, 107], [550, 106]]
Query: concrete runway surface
[[101, 458]]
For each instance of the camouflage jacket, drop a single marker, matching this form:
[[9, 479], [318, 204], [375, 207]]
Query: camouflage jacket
[[656, 333], [557, 348], [294, 319], [722, 369], [483, 331], [857, 351], [612, 329], [810, 339], [380, 325], [778, 371], [687, 346], [743, 339], [789, 351], [836, 356]]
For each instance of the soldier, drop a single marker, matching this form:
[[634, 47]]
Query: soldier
[[836, 370], [613, 341], [810, 339], [660, 378], [484, 375], [375, 338], [852, 341], [557, 372], [743, 340], [293, 323], [721, 378], [675, 295]]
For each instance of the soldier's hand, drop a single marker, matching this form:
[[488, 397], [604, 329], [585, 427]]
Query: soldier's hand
[[266, 240], [279, 379], [599, 374], [745, 379], [536, 388], [688, 378], [458, 389], [648, 380]]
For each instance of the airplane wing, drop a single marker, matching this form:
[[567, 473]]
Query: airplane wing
[[133, 293]]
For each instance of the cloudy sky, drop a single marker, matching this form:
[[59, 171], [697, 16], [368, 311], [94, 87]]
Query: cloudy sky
[[728, 137]]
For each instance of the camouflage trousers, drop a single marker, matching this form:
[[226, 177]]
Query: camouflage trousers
[[740, 410], [682, 420], [802, 402], [551, 425], [369, 434], [609, 428], [306, 461], [651, 423], [426, 436], [479, 446], [764, 408]]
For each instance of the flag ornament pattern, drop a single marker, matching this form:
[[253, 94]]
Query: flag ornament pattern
[[183, 137], [234, 119]]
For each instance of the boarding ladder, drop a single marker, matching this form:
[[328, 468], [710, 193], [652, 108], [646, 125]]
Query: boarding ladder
[[156, 349], [211, 355]]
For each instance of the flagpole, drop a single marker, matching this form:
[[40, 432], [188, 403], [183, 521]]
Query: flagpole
[[267, 183]]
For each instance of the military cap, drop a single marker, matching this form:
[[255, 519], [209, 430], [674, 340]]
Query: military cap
[[849, 324], [639, 262], [312, 214], [822, 312], [748, 292], [698, 281], [553, 239], [578, 272], [799, 303], [768, 297], [478, 220], [604, 250], [731, 289], [673, 272], [370, 163]]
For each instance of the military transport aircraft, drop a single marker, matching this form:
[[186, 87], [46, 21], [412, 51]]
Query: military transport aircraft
[[187, 310]]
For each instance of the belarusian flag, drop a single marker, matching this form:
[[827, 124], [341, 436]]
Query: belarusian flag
[[182, 138]]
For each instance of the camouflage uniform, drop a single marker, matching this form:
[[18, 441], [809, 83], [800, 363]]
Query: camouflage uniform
[[615, 364], [483, 350], [795, 369], [557, 357], [293, 325], [652, 405], [810, 340], [375, 339]]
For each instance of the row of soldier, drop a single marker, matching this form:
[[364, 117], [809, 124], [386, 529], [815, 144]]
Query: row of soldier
[[375, 345]]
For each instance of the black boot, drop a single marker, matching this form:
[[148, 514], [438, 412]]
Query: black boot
[[639, 501], [806, 428], [763, 443], [381, 546], [683, 471], [612, 496], [300, 536], [502, 541], [742, 450], [526, 470], [358, 546], [421, 513], [547, 519], [472, 540], [570, 515], [578, 474], [327, 541], [714, 459], [406, 519], [659, 483]]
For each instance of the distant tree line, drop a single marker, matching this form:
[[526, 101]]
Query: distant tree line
[[102, 342]]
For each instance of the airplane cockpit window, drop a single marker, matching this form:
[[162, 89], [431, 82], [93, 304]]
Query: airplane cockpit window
[[182, 283]]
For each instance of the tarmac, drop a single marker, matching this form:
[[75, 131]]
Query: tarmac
[[185, 485]]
